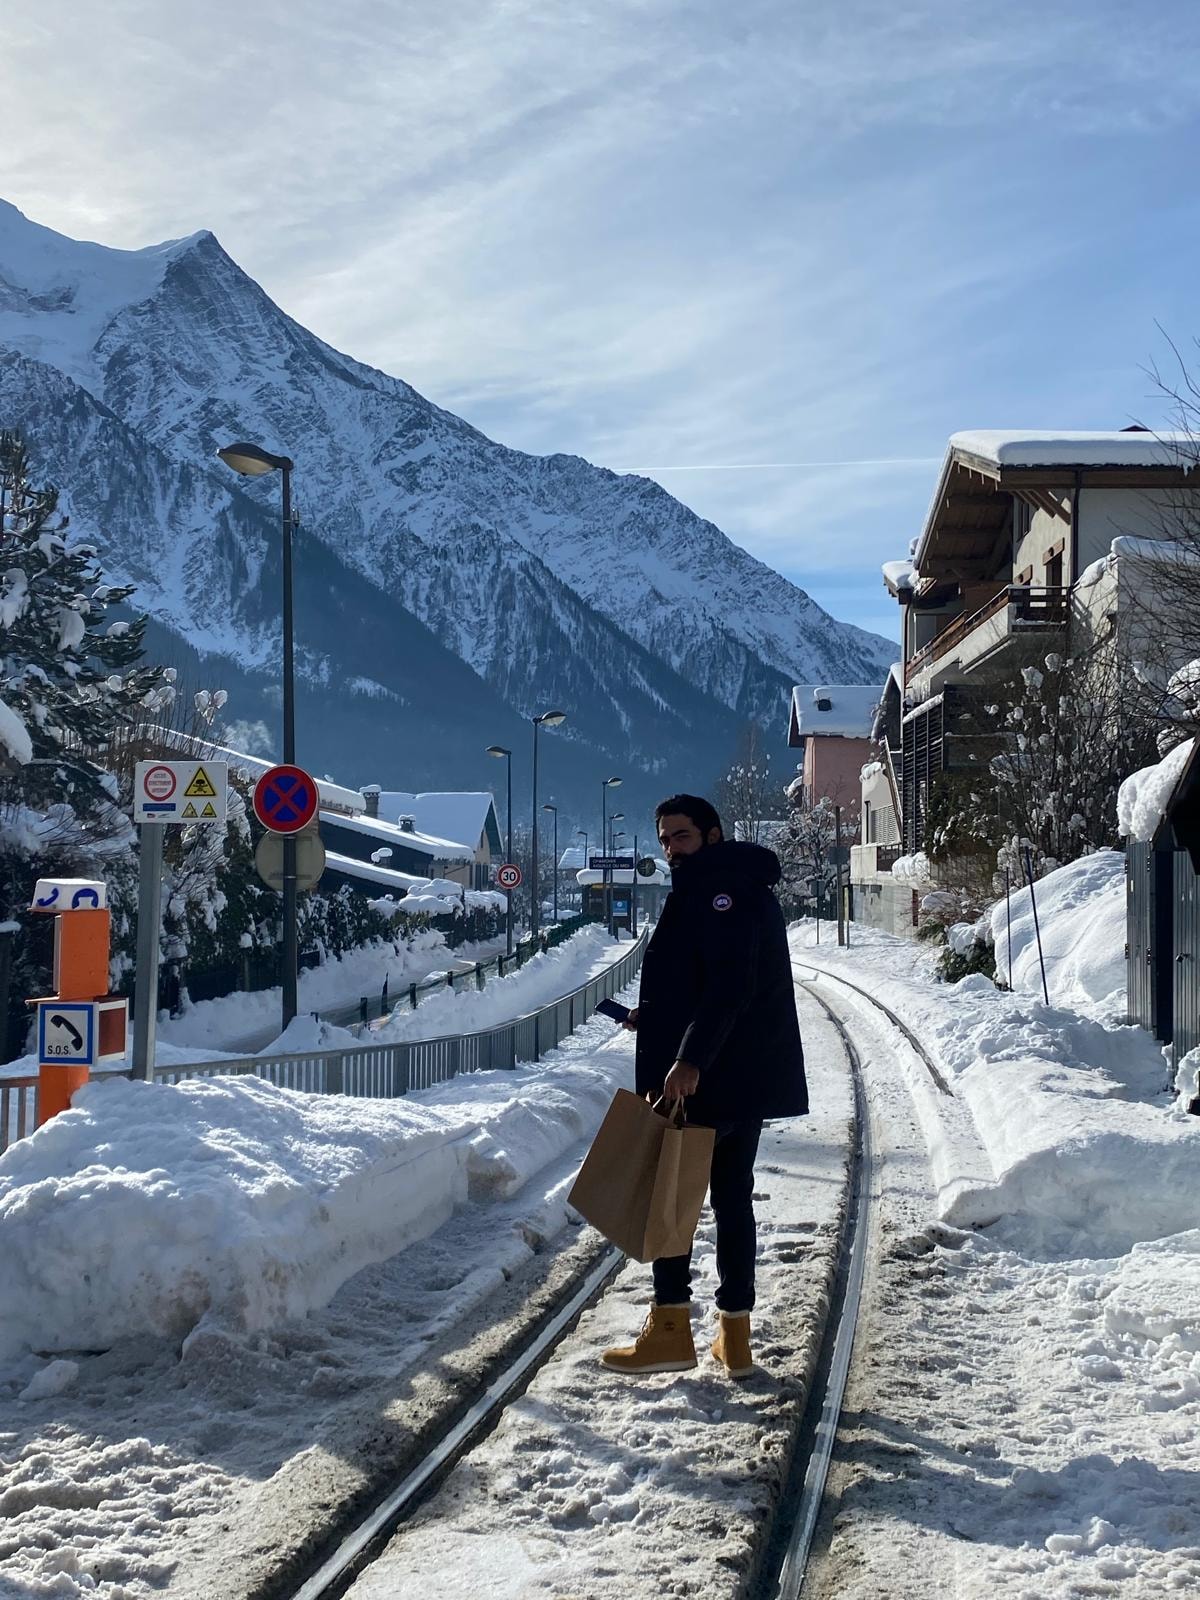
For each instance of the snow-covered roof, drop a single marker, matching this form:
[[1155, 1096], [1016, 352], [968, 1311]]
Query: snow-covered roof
[[1058, 449], [443, 814], [1143, 798], [571, 859], [619, 875], [844, 709], [389, 834], [334, 796], [400, 883], [899, 575]]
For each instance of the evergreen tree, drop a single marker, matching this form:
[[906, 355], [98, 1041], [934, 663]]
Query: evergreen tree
[[70, 680]]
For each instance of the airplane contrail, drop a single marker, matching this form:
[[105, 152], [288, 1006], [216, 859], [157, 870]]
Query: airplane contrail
[[772, 466]]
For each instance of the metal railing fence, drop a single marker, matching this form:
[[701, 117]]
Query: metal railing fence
[[380, 1071]]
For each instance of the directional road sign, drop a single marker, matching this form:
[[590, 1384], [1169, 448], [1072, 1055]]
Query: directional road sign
[[611, 863], [310, 859], [509, 876], [180, 791], [285, 799], [67, 1032]]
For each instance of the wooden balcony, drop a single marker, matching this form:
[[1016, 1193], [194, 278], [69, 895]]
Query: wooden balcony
[[1027, 606]]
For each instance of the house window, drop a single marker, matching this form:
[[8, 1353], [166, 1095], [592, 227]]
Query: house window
[[868, 832], [1054, 572], [1022, 518]]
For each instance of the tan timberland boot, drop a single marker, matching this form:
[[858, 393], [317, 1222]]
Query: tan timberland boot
[[664, 1344], [732, 1344]]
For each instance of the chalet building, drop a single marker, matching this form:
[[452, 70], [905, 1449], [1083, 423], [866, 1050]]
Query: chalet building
[[399, 848], [1031, 540], [831, 725], [468, 817]]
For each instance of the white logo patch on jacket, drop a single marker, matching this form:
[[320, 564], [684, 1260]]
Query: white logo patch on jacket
[[723, 902]]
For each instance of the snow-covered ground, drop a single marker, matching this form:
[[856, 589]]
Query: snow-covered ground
[[198, 1235], [543, 978], [1023, 1412]]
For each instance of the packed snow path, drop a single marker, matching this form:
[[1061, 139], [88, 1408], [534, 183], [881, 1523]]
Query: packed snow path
[[1020, 1420]]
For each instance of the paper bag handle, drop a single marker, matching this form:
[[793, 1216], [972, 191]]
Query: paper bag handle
[[674, 1107]]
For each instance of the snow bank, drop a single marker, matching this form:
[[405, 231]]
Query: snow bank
[[1081, 913], [543, 978], [1142, 798], [1058, 1132], [148, 1208]]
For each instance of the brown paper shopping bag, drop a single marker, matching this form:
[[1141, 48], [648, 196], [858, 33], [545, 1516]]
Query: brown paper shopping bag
[[644, 1179]]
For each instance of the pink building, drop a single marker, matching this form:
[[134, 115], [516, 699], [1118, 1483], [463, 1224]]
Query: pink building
[[832, 724]]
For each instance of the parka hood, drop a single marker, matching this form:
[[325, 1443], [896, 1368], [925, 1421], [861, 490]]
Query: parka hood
[[753, 861]]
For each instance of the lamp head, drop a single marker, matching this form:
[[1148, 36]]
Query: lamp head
[[549, 808], [551, 719], [251, 460], [612, 783], [498, 750]]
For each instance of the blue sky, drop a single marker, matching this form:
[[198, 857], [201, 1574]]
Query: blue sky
[[729, 243]]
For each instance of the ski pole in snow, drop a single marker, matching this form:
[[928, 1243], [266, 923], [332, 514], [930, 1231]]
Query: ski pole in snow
[[1008, 914], [1036, 928]]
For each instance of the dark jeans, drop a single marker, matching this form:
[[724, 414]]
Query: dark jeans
[[731, 1195]]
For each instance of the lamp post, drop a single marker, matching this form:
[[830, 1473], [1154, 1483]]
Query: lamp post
[[499, 750], [582, 833], [555, 811], [252, 461], [613, 830], [547, 719], [606, 785]]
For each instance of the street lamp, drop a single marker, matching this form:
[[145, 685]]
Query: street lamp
[[499, 750], [606, 785], [617, 816], [547, 719], [555, 811], [581, 833], [251, 461]]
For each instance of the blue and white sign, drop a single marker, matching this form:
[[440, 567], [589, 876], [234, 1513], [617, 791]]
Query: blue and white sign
[[67, 1031], [69, 894]]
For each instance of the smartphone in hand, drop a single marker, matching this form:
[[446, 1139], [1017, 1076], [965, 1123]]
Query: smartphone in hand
[[613, 1009]]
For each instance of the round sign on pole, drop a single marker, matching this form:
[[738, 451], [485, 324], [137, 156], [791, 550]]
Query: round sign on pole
[[159, 783], [285, 799], [647, 867], [509, 876]]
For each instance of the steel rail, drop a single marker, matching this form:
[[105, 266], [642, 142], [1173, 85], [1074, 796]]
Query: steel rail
[[348, 1559], [819, 1426], [926, 1059]]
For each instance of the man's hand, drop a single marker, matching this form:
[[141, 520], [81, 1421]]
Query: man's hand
[[631, 1021], [682, 1081]]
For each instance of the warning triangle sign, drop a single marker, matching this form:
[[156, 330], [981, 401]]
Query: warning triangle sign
[[201, 787], [189, 810], [209, 810]]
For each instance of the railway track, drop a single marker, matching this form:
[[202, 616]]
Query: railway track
[[783, 1570]]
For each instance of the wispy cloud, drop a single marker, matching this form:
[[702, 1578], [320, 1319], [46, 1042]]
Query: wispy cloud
[[783, 247]]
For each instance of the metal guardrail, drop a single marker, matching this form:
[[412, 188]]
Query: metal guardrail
[[380, 1071]]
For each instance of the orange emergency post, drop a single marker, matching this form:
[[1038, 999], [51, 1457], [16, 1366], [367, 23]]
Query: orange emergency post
[[80, 1023]]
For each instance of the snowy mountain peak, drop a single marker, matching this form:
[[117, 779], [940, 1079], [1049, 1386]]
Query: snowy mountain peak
[[521, 567], [57, 295]]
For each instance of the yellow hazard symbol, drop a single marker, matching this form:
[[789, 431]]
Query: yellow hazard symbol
[[200, 788], [189, 810], [209, 810]]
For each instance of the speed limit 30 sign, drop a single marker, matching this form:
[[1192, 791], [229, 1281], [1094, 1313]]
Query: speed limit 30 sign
[[509, 876]]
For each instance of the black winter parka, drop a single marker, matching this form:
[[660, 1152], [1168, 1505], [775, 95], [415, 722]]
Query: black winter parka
[[717, 991]]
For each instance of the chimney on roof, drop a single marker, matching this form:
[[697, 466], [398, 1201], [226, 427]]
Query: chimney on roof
[[1135, 427], [824, 703], [370, 794], [407, 824]]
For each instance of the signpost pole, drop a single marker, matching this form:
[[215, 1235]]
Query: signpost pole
[[837, 825], [145, 993]]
